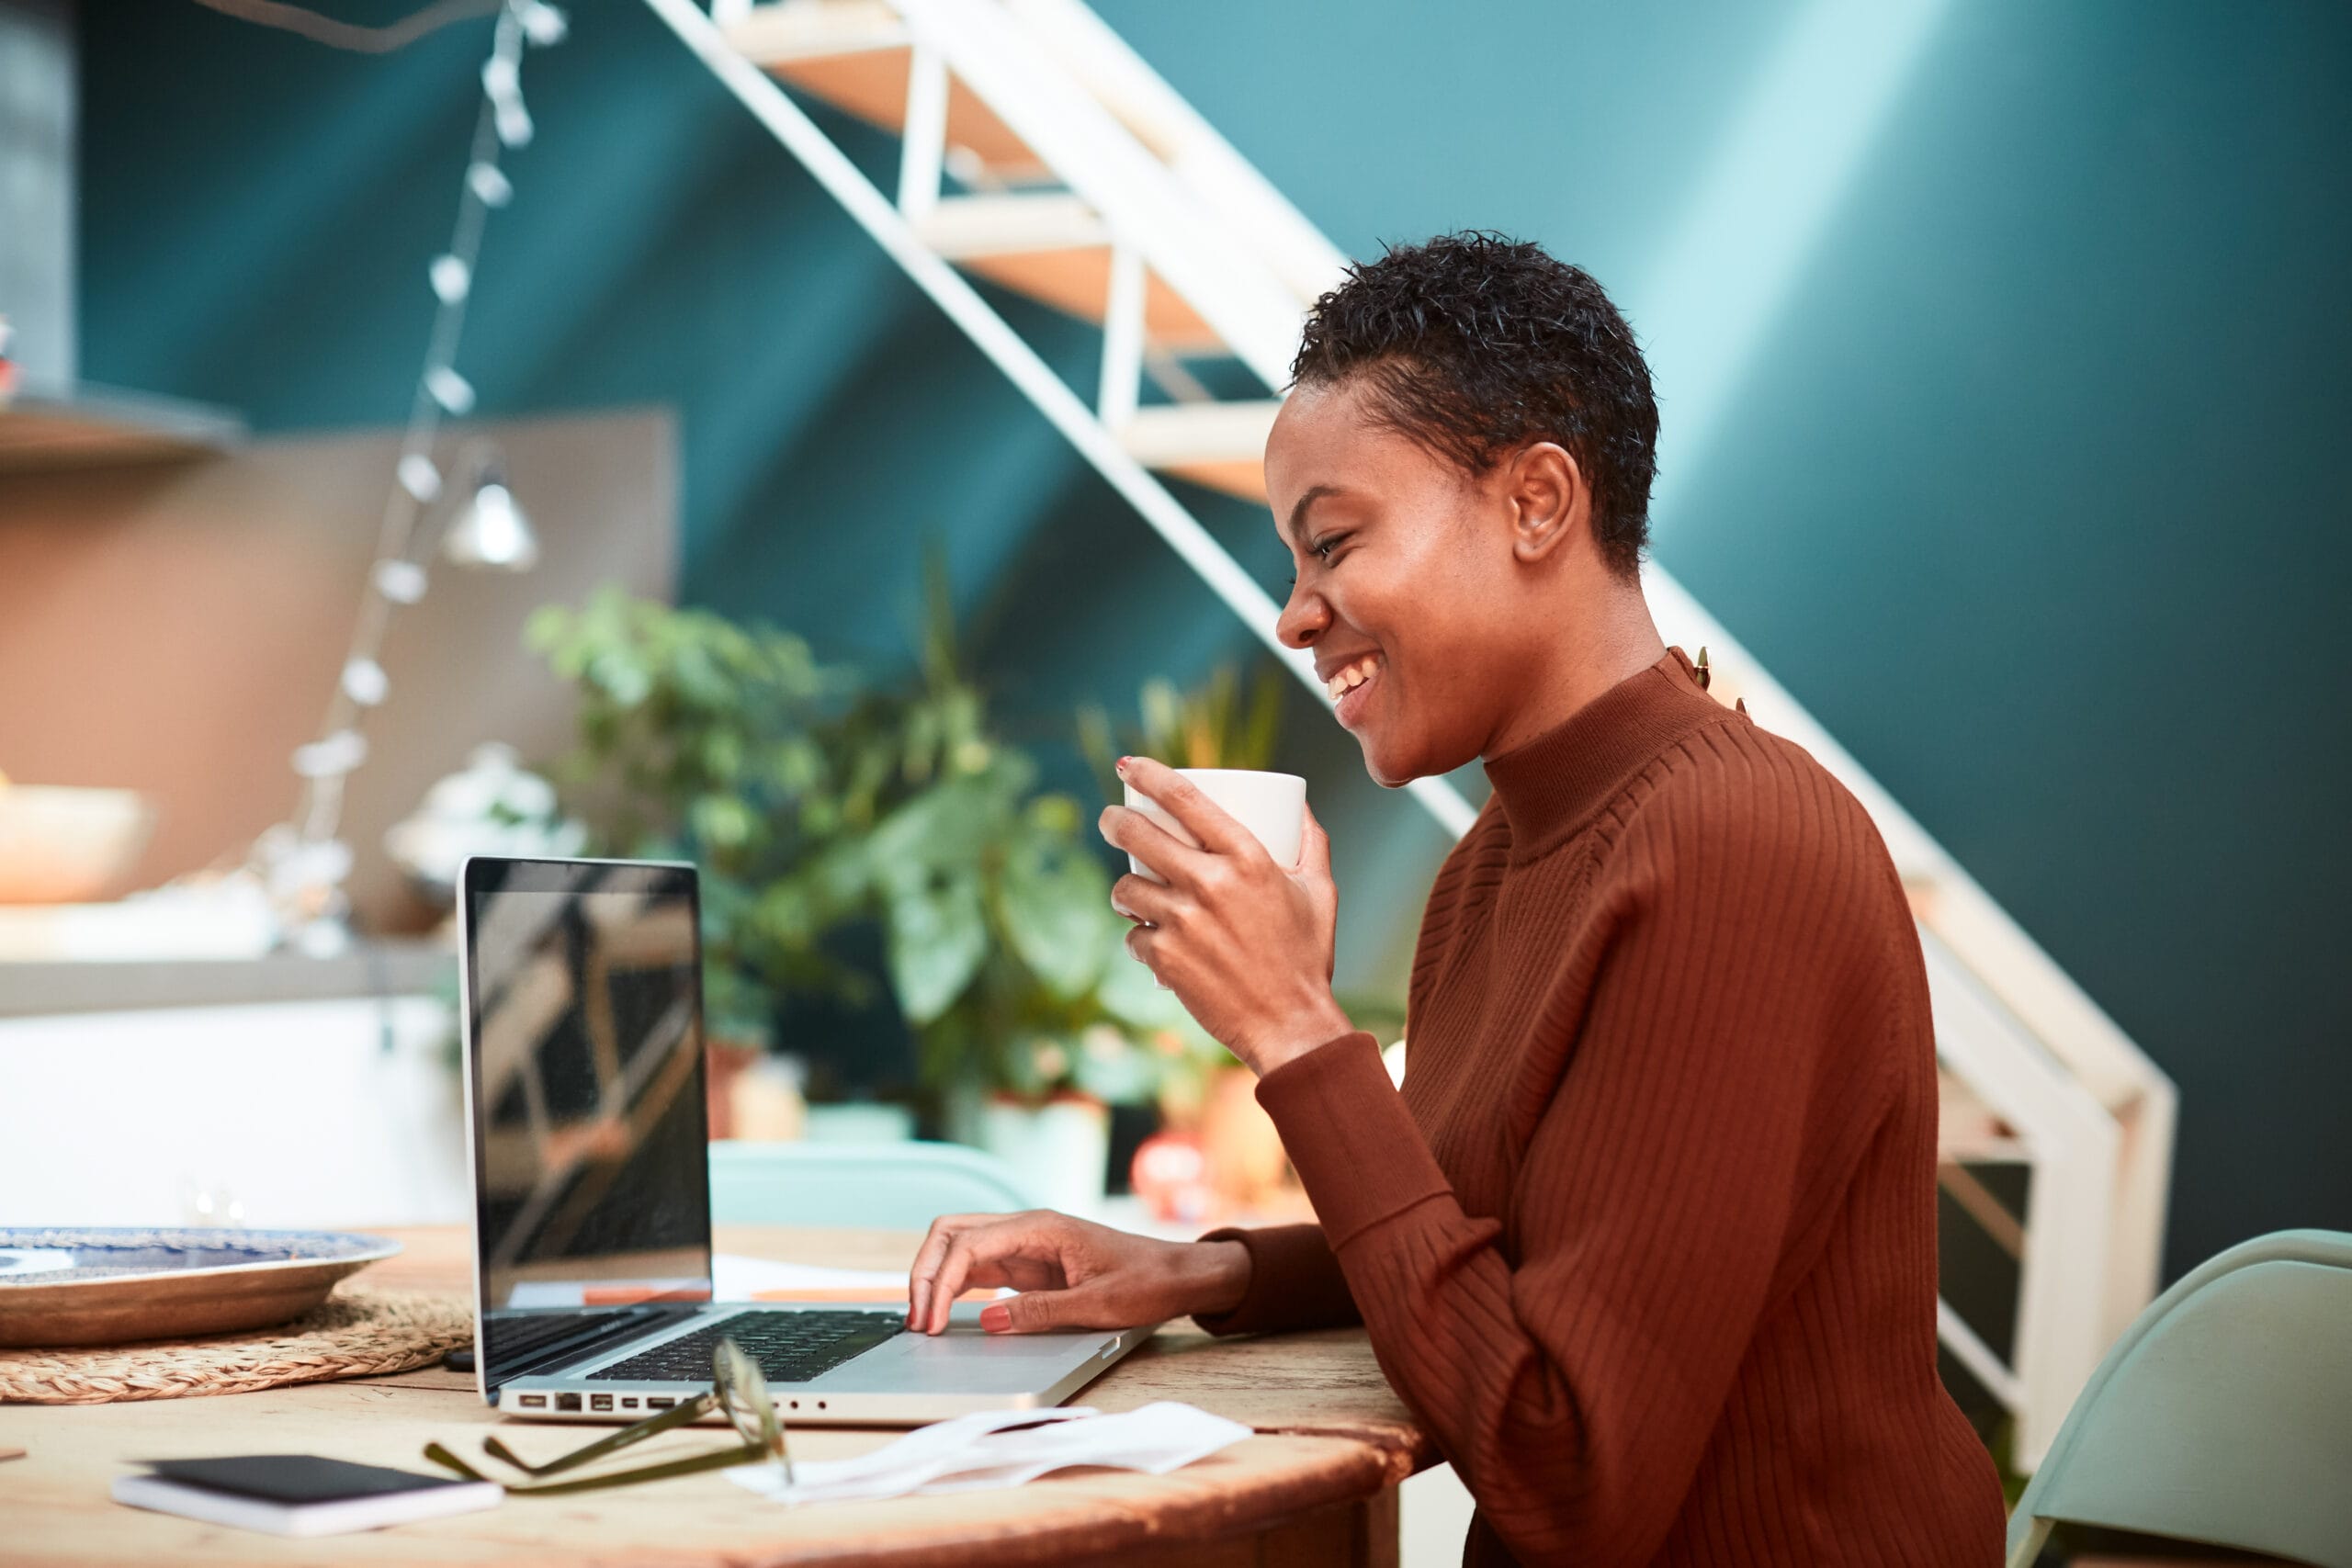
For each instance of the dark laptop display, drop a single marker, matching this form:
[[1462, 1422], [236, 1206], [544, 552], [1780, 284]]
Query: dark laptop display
[[591, 1182]]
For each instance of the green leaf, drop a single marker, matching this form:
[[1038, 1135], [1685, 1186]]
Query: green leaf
[[1129, 994], [1054, 814], [1057, 905], [722, 755], [1115, 1069], [938, 937], [785, 913], [623, 678], [723, 822]]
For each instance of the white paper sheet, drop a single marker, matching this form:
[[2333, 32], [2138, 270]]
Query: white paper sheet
[[1002, 1448], [735, 1278]]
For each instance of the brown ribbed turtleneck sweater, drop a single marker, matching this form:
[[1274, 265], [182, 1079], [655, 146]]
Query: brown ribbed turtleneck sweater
[[1647, 1240]]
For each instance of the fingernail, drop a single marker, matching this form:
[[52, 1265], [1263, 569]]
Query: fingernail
[[1122, 766], [996, 1317]]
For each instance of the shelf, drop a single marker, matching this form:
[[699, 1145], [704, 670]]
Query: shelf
[[387, 968], [90, 427]]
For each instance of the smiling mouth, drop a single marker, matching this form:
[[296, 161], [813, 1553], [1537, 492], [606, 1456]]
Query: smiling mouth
[[1347, 679], [1350, 688]]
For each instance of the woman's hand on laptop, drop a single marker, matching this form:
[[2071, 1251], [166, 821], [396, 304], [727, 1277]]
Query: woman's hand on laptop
[[1071, 1273]]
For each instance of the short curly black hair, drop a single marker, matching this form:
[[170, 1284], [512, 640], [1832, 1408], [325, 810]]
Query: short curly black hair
[[1475, 345]]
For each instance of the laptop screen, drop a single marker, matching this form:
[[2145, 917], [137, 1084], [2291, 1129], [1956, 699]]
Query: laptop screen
[[591, 1181]]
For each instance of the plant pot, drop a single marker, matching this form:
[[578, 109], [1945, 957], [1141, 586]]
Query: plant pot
[[722, 1064], [1246, 1164], [1059, 1151]]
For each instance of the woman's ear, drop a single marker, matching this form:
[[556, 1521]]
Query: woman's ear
[[1550, 502]]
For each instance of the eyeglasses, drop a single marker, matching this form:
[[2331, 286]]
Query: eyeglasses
[[737, 1388]]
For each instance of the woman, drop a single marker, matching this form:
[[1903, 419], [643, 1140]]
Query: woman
[[1647, 1238]]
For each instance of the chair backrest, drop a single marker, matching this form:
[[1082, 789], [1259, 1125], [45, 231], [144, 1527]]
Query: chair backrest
[[893, 1186], [2222, 1415]]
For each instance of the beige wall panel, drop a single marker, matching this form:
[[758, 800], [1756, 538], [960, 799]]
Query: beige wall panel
[[179, 630]]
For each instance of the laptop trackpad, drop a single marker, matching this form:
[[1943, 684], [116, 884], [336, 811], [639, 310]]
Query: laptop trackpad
[[964, 1346], [965, 1360]]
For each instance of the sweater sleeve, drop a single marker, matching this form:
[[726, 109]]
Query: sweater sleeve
[[1574, 1372], [1295, 1282]]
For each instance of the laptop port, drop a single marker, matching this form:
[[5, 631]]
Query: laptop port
[[628, 1403], [600, 1402], [532, 1401], [567, 1401], [659, 1402]]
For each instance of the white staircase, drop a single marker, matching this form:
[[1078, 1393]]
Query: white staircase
[[1040, 153]]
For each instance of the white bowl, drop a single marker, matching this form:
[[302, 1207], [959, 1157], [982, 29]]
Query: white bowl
[[68, 846]]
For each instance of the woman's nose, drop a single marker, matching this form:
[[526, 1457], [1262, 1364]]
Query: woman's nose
[[1302, 619]]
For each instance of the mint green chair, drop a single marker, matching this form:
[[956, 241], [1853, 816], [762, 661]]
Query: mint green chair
[[2222, 1415], [893, 1186]]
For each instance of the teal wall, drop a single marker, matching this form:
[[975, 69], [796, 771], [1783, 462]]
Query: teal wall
[[2030, 490]]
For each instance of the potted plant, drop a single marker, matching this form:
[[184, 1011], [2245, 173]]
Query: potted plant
[[813, 803], [700, 740], [1003, 951]]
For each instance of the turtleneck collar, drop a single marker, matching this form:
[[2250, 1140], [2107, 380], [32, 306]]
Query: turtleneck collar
[[1555, 783]]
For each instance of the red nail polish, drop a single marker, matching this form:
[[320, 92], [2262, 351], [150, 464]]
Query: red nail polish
[[996, 1317]]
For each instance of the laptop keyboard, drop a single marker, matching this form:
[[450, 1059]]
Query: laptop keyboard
[[527, 1344], [790, 1347]]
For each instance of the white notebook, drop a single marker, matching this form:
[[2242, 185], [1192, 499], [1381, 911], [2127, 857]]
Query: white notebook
[[300, 1494]]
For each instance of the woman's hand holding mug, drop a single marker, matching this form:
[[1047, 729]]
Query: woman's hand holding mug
[[1245, 943]]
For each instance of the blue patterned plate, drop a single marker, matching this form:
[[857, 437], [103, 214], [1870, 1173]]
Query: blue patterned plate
[[61, 1286]]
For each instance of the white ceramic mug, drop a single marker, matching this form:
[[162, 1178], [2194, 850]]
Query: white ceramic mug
[[1272, 805]]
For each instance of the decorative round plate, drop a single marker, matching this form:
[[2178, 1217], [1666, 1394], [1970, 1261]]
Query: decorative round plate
[[107, 1286]]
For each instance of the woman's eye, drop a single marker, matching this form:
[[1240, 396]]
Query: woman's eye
[[1321, 551]]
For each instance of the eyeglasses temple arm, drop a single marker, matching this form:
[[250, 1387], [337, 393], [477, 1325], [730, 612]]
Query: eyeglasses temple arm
[[745, 1453]]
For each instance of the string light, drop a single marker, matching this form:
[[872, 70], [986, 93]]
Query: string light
[[451, 391], [400, 581], [364, 682], [452, 280], [303, 862], [419, 476], [490, 187]]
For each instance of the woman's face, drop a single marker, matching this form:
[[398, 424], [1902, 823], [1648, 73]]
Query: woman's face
[[1406, 589]]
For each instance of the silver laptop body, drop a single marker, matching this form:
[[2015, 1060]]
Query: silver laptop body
[[586, 1127]]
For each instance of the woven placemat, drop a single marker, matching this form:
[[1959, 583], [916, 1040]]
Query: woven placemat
[[353, 1334]]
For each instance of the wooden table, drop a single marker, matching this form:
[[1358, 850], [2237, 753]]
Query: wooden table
[[1315, 1487]]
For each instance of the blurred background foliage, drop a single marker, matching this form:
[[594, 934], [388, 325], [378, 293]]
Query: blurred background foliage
[[820, 802], [1213, 726]]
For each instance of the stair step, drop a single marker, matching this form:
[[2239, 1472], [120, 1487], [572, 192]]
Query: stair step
[[965, 228], [1220, 444], [813, 30], [1967, 1130], [1056, 250], [853, 54]]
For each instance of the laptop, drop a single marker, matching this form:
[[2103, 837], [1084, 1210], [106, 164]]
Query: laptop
[[588, 1130]]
